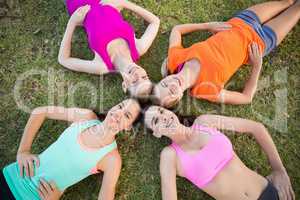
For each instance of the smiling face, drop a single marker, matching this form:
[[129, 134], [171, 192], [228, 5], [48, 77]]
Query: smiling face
[[121, 116], [161, 121], [169, 91], [137, 82]]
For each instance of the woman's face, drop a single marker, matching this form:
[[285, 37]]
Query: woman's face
[[137, 82], [121, 116], [161, 121], [169, 91]]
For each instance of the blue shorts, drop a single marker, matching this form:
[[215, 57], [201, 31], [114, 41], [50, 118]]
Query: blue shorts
[[265, 32]]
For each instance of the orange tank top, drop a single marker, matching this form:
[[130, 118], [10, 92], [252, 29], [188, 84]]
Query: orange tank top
[[220, 56]]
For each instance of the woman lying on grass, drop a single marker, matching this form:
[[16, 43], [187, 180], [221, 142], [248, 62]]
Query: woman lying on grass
[[87, 147], [207, 66], [206, 158], [112, 40]]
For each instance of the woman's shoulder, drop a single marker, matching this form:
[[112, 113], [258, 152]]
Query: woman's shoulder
[[204, 120], [168, 153], [111, 161]]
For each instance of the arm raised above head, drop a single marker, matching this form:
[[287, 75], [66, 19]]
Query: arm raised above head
[[24, 157], [144, 43], [245, 97], [182, 29], [246, 126], [142, 12], [279, 176], [40, 114], [96, 66]]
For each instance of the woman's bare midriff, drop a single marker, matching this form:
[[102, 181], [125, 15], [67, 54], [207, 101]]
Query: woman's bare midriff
[[235, 182]]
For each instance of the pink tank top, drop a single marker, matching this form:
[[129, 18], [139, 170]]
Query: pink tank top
[[202, 167], [104, 23]]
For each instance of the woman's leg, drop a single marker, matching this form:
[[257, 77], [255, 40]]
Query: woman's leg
[[268, 10], [283, 23]]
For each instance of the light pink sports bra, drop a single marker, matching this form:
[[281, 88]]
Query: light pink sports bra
[[202, 167]]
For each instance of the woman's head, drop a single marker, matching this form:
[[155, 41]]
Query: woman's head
[[136, 82], [168, 91], [122, 116], [161, 121]]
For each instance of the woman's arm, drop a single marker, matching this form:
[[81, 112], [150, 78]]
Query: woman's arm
[[111, 166], [24, 158], [144, 43], [64, 57], [279, 176], [179, 30], [232, 97], [168, 174], [253, 128], [142, 12], [39, 115]]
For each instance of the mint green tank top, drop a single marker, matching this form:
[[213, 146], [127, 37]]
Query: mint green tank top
[[65, 162]]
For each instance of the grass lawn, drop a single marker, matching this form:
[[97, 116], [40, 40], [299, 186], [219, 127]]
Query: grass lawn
[[30, 34]]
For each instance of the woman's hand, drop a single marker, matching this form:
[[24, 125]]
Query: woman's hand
[[78, 16], [282, 183], [255, 55], [48, 191], [27, 162], [216, 27]]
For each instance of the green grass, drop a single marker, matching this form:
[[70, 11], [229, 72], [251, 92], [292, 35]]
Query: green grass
[[30, 38]]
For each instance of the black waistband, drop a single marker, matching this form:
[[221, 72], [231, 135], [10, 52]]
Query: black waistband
[[270, 193], [5, 193]]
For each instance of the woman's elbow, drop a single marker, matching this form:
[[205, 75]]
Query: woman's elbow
[[176, 28], [61, 60], [258, 130], [260, 126], [248, 100], [39, 110], [156, 20], [64, 61]]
